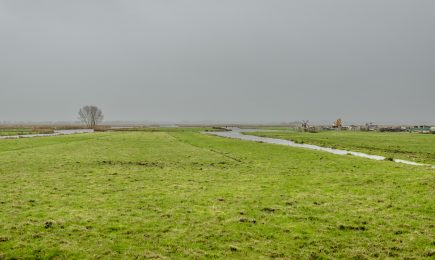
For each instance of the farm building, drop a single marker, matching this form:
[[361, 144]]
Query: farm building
[[421, 129], [371, 127]]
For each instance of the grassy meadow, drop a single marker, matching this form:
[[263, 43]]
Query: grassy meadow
[[183, 194], [407, 146]]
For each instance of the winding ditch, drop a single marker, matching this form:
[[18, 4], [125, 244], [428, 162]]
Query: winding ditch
[[237, 133]]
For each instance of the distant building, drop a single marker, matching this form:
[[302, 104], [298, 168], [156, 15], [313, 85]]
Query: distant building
[[350, 127], [421, 129], [391, 129], [355, 127], [371, 127]]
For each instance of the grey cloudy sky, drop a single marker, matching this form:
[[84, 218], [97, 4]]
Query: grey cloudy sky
[[218, 60]]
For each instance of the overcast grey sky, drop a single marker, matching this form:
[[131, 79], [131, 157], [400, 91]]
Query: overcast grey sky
[[218, 60]]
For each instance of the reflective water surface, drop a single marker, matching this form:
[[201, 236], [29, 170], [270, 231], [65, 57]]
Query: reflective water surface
[[237, 133], [56, 132]]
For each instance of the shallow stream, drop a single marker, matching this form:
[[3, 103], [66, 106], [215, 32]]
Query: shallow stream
[[56, 132], [237, 133]]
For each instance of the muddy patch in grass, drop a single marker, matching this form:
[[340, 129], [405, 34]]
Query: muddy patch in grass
[[247, 220], [355, 228], [48, 224], [149, 164], [4, 239], [268, 210], [180, 164]]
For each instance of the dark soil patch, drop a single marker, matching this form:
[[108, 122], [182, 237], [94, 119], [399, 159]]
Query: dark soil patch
[[268, 210], [140, 163], [356, 228], [246, 220]]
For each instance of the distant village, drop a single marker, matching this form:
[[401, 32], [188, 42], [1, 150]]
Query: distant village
[[339, 125]]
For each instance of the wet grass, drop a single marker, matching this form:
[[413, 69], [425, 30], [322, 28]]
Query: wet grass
[[407, 146], [188, 195]]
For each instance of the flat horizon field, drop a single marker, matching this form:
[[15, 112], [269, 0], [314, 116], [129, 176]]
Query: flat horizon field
[[183, 194], [403, 145]]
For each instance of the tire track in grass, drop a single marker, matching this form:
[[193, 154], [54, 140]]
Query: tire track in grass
[[208, 149]]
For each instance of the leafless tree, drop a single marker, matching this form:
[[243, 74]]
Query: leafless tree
[[90, 116]]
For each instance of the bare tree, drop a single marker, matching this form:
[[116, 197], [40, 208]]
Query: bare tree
[[90, 116]]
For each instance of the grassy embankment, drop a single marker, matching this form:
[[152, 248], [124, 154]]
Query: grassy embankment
[[406, 146], [10, 131], [188, 195]]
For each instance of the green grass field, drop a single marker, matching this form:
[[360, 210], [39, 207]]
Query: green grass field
[[407, 146], [183, 194], [10, 131]]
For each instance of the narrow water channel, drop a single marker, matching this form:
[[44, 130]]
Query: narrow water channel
[[56, 133], [237, 133]]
